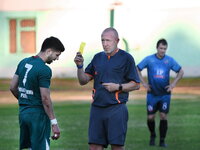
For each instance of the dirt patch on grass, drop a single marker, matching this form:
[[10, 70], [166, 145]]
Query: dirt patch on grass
[[85, 95]]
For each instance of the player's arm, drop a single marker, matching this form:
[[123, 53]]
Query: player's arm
[[14, 86], [179, 75], [48, 107], [82, 77], [126, 87], [144, 83]]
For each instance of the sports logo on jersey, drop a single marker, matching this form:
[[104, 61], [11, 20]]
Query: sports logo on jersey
[[166, 61], [159, 74]]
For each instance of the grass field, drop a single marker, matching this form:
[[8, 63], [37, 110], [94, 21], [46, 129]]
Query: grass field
[[184, 119], [183, 133]]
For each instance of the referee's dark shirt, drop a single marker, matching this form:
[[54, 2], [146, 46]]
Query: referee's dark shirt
[[119, 68]]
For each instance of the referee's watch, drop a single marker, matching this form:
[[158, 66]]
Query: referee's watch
[[120, 87]]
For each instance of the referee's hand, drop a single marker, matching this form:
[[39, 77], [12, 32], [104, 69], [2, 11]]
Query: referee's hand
[[56, 132], [111, 87], [78, 59]]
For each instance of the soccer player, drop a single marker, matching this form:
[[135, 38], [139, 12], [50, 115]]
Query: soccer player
[[159, 88], [30, 85], [115, 75]]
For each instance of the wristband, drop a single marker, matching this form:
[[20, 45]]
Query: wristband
[[54, 122], [79, 66]]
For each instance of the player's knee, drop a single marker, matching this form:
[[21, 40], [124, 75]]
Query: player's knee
[[151, 117], [117, 147], [163, 116], [95, 147]]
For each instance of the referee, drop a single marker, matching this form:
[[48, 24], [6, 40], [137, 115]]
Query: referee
[[115, 75]]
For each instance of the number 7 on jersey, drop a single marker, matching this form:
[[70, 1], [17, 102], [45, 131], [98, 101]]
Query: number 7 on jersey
[[28, 67]]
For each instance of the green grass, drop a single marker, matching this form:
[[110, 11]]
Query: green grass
[[183, 132]]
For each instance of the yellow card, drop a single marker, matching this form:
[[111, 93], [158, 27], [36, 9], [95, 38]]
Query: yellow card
[[82, 47]]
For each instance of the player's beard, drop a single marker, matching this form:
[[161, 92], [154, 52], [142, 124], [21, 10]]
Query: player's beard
[[49, 60]]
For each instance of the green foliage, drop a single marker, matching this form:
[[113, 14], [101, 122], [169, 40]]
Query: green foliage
[[183, 132]]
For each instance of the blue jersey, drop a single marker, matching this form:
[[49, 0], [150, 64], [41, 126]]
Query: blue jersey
[[159, 72], [119, 68]]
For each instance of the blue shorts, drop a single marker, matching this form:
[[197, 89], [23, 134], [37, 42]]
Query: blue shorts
[[155, 103], [108, 125]]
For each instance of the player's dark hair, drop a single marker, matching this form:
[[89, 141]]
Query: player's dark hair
[[161, 41], [53, 43]]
